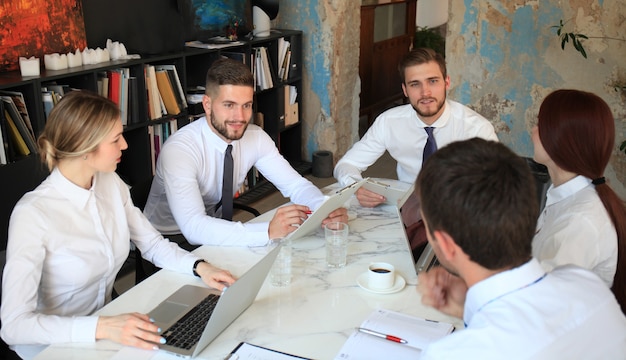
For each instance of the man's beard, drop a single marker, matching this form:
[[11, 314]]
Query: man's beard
[[223, 130], [426, 114]]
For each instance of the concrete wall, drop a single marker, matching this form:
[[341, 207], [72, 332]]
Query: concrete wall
[[331, 70], [503, 59]]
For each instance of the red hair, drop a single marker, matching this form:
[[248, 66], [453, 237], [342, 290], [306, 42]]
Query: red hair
[[577, 130]]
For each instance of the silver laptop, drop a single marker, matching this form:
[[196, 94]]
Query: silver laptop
[[200, 306], [335, 201]]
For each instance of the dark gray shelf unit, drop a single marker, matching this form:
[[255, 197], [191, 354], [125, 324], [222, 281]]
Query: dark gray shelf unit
[[135, 168]]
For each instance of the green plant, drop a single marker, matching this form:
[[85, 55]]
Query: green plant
[[576, 38], [429, 38], [567, 36]]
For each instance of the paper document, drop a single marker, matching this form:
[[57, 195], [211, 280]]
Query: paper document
[[248, 351], [417, 332], [395, 192]]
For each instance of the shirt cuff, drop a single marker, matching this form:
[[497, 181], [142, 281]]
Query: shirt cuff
[[84, 328]]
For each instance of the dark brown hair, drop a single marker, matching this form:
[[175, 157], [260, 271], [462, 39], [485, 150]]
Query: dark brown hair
[[227, 72], [482, 195], [421, 56], [577, 130]]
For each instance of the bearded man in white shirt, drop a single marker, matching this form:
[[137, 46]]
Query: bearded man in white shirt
[[430, 120], [187, 188]]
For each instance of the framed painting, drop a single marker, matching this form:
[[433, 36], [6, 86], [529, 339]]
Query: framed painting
[[37, 27]]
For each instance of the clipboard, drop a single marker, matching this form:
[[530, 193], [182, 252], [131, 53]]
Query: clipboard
[[335, 201], [246, 350], [394, 195]]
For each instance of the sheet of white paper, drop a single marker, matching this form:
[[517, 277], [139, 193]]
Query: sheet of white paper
[[416, 331]]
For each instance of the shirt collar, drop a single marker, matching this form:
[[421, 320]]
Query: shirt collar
[[214, 139], [443, 119], [499, 285], [567, 189], [74, 193]]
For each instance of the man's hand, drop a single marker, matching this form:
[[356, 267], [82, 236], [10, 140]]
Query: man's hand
[[282, 224], [369, 198], [443, 291], [130, 329], [338, 215], [214, 277]]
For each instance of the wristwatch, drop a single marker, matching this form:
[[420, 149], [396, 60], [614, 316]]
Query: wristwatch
[[195, 266]]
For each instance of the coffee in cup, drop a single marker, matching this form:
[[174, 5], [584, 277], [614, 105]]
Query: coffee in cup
[[381, 276]]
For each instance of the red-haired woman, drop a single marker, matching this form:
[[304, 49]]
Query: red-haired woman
[[584, 221]]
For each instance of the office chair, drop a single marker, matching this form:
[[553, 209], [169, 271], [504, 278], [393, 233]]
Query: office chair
[[542, 182], [139, 193]]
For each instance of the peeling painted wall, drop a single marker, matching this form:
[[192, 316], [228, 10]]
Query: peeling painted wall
[[504, 58], [331, 70]]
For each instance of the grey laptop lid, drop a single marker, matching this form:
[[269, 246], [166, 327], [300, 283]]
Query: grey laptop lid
[[232, 302]]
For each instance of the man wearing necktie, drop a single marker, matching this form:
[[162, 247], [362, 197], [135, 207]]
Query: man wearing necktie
[[201, 165], [412, 132]]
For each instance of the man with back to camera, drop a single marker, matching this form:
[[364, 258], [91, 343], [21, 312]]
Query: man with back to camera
[[411, 132], [186, 193], [479, 211]]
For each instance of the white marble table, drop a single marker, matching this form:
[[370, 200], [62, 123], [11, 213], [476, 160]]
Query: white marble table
[[312, 317]]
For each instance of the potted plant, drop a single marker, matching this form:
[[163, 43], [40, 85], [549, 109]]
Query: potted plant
[[429, 38]]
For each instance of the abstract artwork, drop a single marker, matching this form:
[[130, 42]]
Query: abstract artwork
[[37, 27], [204, 19]]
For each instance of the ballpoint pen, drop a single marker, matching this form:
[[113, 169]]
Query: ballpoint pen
[[381, 335]]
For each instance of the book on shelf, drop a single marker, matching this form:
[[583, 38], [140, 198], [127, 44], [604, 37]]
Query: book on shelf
[[16, 139], [20, 103], [103, 84], [4, 138], [133, 101], [262, 69], [48, 102], [291, 105], [14, 117], [176, 84], [154, 98], [167, 92], [284, 48], [417, 332]]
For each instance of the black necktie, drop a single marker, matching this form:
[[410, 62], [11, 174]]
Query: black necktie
[[227, 185], [431, 144]]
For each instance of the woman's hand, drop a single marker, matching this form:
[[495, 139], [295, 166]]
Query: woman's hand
[[130, 329]]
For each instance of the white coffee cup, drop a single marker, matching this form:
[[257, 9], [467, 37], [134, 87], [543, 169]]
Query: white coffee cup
[[381, 276]]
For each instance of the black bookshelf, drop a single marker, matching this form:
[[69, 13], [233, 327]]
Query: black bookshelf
[[191, 64]]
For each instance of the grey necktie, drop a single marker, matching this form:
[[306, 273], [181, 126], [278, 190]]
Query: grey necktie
[[431, 144], [227, 185]]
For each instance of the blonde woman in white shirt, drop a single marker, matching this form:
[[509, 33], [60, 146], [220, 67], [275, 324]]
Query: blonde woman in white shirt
[[69, 237], [584, 221]]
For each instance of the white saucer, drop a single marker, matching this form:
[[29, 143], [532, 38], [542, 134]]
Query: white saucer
[[398, 285]]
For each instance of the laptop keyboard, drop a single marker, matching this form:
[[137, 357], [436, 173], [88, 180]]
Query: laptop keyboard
[[186, 332]]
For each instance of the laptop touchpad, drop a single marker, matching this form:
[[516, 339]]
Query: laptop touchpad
[[168, 312]]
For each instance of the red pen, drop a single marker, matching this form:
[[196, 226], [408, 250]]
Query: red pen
[[381, 335], [308, 212]]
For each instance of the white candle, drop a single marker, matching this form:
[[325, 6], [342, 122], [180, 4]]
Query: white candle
[[30, 66], [55, 61]]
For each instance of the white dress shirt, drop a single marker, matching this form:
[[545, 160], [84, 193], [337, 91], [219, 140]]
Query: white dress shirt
[[66, 246], [575, 228], [525, 314], [187, 186], [401, 132]]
